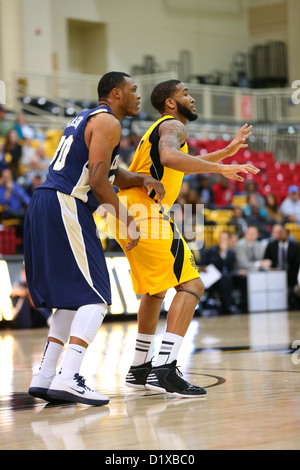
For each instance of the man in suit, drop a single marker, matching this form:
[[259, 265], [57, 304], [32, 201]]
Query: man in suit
[[249, 252], [285, 254], [223, 258]]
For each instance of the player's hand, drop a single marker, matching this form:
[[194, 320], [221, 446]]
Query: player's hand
[[133, 233], [231, 171], [239, 142], [150, 184]]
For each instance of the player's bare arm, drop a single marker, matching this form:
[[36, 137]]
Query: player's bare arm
[[239, 142], [127, 179], [102, 136], [173, 135]]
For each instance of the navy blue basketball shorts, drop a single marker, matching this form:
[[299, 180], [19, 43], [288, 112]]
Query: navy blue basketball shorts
[[64, 259]]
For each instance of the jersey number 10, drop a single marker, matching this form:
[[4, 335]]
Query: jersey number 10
[[61, 152]]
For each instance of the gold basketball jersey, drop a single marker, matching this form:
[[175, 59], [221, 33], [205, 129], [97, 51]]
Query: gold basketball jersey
[[147, 161]]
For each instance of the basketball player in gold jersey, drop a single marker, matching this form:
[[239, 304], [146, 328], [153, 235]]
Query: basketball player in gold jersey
[[162, 259]]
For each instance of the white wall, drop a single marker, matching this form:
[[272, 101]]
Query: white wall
[[35, 33]]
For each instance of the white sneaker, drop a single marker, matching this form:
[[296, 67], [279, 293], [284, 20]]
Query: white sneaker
[[39, 386], [75, 390]]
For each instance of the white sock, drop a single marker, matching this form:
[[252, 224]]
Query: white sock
[[72, 361], [50, 358], [169, 349], [143, 349]]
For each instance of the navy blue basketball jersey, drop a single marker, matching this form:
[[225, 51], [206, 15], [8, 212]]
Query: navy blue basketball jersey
[[68, 170]]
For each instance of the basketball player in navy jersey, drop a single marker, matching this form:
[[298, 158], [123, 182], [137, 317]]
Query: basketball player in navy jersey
[[64, 260]]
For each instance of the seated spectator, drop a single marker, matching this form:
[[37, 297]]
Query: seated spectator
[[271, 206], [255, 214], [13, 198], [223, 258], [22, 129], [275, 232], [201, 184], [251, 188], [233, 239], [3, 163], [297, 293], [13, 152], [25, 314], [238, 222], [254, 207], [290, 207], [5, 124], [126, 150], [223, 192], [27, 154], [34, 182], [249, 252], [285, 254]]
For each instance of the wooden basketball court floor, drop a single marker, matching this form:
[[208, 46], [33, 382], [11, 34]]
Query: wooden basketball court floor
[[249, 364]]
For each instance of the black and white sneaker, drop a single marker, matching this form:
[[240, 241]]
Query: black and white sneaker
[[137, 375], [168, 379]]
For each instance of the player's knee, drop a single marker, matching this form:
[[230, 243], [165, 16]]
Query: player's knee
[[195, 287], [198, 287]]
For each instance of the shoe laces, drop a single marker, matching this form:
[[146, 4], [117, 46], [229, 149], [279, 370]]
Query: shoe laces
[[178, 372], [81, 381]]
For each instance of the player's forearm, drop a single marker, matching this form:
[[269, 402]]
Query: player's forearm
[[189, 164], [215, 157], [126, 179]]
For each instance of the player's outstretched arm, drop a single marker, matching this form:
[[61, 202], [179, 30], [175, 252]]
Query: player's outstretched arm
[[173, 135], [239, 142]]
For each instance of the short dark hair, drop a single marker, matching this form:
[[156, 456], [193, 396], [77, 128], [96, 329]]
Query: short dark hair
[[109, 81], [162, 92]]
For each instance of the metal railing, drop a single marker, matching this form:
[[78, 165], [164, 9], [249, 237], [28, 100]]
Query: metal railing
[[221, 109]]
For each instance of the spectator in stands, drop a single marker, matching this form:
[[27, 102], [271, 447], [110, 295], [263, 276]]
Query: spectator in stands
[[255, 214], [233, 239], [275, 232], [25, 314], [35, 181], [249, 253], [5, 124], [271, 206], [238, 222], [290, 207], [13, 198], [251, 188], [183, 194], [285, 254], [13, 152], [201, 183], [223, 258], [36, 166], [126, 150], [3, 163], [23, 130], [28, 153], [297, 292], [223, 192]]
